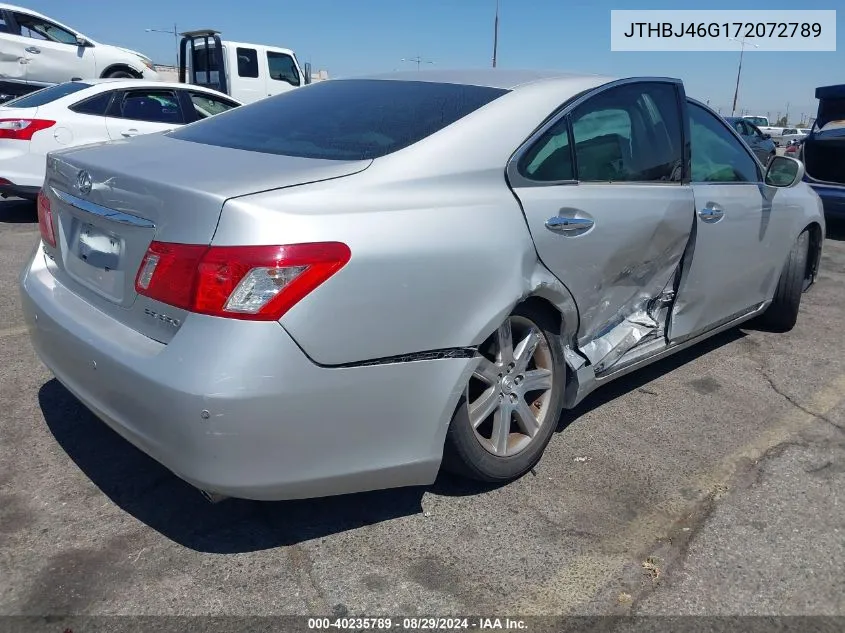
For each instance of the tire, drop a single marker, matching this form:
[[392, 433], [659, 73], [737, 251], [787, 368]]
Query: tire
[[782, 314], [122, 74], [501, 382]]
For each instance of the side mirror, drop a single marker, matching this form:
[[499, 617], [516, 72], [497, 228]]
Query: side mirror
[[784, 171], [307, 72], [766, 137], [81, 41]]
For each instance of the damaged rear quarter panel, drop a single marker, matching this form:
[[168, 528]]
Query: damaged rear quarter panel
[[437, 262]]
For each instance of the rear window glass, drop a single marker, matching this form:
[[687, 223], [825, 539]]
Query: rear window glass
[[46, 95], [342, 119]]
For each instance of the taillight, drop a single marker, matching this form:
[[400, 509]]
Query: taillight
[[22, 129], [45, 220], [241, 282]]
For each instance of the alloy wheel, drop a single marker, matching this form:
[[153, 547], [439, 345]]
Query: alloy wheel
[[509, 394]]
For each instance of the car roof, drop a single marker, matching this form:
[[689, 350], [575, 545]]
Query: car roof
[[505, 79], [140, 83]]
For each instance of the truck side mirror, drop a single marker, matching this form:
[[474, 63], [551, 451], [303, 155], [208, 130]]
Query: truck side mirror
[[307, 72]]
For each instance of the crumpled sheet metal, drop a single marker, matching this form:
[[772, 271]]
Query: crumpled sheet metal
[[604, 351]]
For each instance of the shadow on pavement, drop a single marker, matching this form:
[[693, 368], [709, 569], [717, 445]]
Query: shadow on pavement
[[152, 494], [16, 211]]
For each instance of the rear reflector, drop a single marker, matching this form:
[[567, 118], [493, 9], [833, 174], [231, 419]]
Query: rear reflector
[[22, 129], [241, 282], [45, 220]]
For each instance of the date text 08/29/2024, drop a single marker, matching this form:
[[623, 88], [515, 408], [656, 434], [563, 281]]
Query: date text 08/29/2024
[[416, 624]]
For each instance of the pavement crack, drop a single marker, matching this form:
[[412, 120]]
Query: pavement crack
[[797, 404], [303, 567]]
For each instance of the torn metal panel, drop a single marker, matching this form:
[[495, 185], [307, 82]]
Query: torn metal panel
[[645, 324], [604, 351]]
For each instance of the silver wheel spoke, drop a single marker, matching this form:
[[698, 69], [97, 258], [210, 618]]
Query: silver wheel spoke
[[537, 380], [525, 350], [505, 342], [526, 419], [501, 428], [487, 371], [483, 406]]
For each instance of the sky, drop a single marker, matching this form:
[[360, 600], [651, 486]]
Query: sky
[[349, 37]]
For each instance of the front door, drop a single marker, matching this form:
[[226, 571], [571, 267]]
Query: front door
[[732, 264], [53, 54], [603, 194], [13, 56], [144, 111]]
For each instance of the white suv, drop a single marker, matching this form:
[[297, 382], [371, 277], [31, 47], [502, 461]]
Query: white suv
[[36, 51]]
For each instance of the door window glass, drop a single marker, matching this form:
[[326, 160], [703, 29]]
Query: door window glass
[[41, 29], [282, 68], [550, 159], [717, 155], [247, 62], [631, 133], [206, 105], [155, 106], [96, 105], [4, 28]]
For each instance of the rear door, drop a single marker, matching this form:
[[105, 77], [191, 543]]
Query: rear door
[[144, 111], [247, 76], [738, 248], [602, 190]]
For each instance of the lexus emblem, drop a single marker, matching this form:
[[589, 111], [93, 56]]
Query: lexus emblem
[[84, 182]]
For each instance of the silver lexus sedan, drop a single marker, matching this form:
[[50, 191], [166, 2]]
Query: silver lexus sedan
[[350, 285]]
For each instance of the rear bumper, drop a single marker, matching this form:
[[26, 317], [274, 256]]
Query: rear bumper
[[833, 199], [25, 172], [19, 191], [237, 409]]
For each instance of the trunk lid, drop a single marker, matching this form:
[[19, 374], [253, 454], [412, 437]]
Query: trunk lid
[[824, 149], [110, 201]]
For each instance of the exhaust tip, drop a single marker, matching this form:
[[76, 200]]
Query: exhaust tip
[[213, 497]]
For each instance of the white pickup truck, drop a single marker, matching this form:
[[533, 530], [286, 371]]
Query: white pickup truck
[[246, 72], [762, 122]]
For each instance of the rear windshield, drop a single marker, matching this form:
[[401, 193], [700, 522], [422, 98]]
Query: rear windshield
[[342, 119], [46, 95]]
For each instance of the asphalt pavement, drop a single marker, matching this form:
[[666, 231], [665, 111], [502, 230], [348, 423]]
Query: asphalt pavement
[[710, 483]]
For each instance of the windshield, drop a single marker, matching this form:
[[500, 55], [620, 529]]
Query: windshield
[[756, 120], [342, 119], [46, 95]]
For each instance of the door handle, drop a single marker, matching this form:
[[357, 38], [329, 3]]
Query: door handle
[[33, 50], [568, 225], [711, 213], [128, 133]]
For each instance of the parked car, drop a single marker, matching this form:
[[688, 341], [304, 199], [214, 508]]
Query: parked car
[[762, 123], [248, 72], [761, 144], [823, 150], [37, 51], [423, 270], [790, 135], [78, 113]]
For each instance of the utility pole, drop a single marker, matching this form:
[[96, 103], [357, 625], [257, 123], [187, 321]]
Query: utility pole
[[496, 34], [787, 112], [417, 60], [175, 33], [739, 71]]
